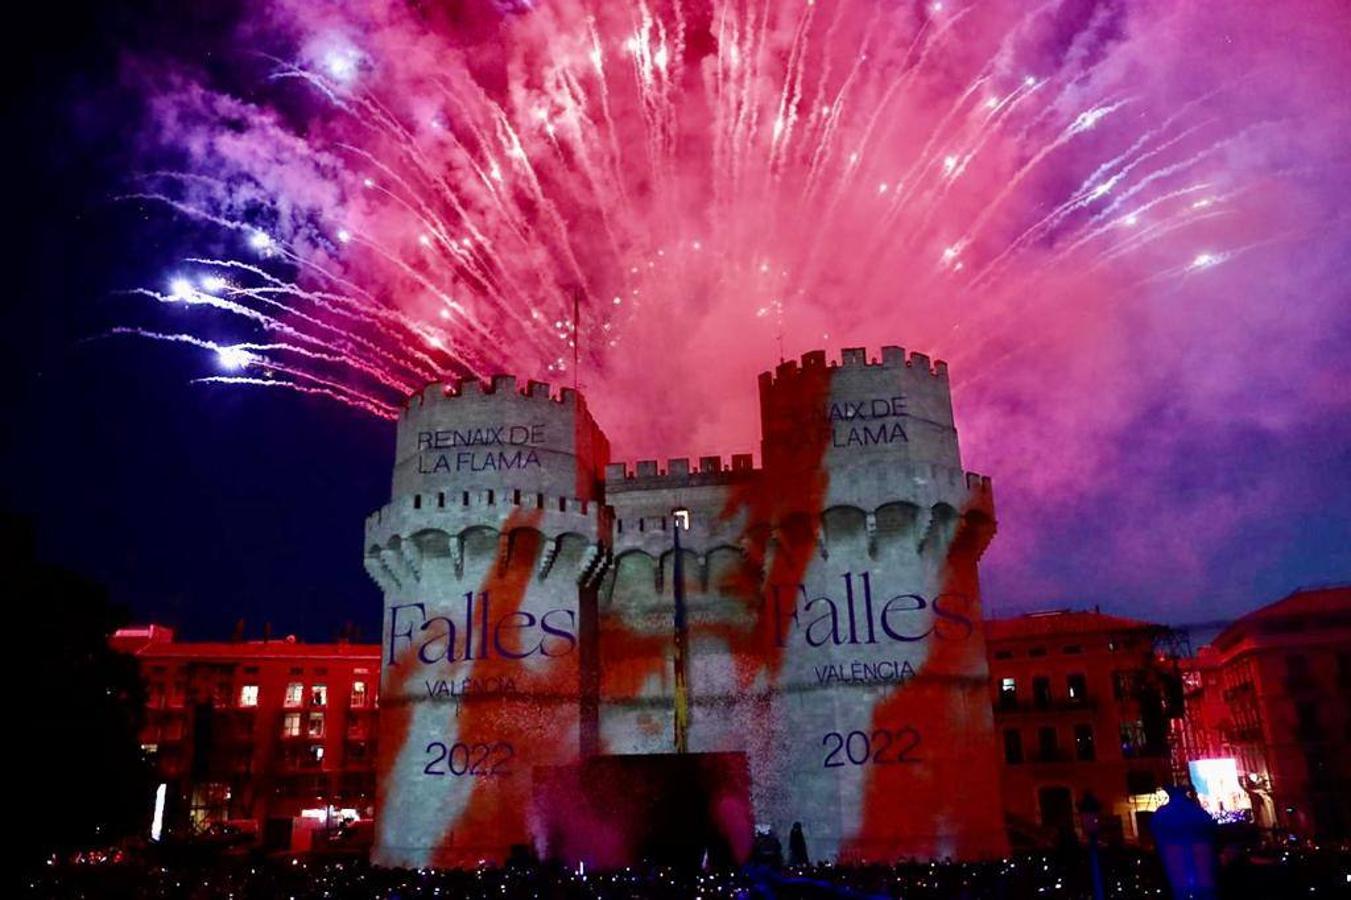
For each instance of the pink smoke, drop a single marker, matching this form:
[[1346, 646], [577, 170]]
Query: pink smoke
[[1121, 224]]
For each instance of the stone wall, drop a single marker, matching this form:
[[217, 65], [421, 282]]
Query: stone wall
[[832, 596], [485, 567], [834, 613]]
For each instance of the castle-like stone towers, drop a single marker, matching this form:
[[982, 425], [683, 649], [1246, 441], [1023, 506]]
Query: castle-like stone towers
[[834, 611], [831, 628], [486, 554]]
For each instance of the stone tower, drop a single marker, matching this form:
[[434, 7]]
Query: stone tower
[[833, 608], [831, 637], [485, 554]]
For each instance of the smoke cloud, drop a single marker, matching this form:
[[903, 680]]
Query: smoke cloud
[[1122, 224]]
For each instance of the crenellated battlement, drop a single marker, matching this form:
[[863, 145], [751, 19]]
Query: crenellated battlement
[[438, 392], [891, 460], [570, 608], [646, 474], [860, 416], [474, 434], [481, 501], [433, 555], [936, 498], [851, 358], [876, 533], [407, 533], [979, 483]]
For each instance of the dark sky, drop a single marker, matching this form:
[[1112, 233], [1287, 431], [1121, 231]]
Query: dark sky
[[196, 506], [201, 505]]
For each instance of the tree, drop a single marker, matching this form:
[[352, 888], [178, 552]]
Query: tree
[[83, 779]]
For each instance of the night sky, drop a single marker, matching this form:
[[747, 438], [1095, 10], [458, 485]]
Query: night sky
[[196, 506], [200, 505]]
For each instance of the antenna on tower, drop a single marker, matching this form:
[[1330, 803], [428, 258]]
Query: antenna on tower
[[778, 315], [576, 338]]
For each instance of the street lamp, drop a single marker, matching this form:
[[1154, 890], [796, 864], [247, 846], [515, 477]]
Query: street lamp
[[680, 518]]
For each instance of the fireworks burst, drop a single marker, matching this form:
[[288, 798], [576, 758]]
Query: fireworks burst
[[414, 195]]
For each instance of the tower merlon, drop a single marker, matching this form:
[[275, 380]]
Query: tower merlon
[[892, 357], [647, 473], [854, 356], [977, 482], [499, 385], [486, 388], [429, 503]]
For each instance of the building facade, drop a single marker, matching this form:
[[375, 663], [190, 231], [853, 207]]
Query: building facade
[[1081, 706], [272, 736], [1271, 698], [278, 737], [808, 631]]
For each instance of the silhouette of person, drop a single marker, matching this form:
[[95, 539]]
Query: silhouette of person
[[766, 849], [797, 846], [1185, 836]]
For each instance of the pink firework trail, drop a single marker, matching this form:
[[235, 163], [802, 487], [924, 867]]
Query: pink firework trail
[[1034, 192]]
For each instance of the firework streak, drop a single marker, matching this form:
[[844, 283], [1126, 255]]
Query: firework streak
[[670, 192], [832, 625], [418, 193]]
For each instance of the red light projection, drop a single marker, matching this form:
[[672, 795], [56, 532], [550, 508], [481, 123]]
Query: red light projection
[[831, 615]]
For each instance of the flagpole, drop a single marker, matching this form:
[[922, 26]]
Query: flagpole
[[680, 520], [576, 338]]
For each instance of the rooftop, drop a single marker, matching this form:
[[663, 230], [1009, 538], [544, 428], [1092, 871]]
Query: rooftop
[[1060, 622], [1325, 605], [158, 642]]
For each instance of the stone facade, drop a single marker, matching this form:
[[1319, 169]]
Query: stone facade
[[831, 606]]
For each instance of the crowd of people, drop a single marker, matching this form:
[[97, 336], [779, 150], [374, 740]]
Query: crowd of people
[[1294, 872]]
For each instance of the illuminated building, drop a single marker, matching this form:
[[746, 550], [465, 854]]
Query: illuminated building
[[258, 733], [1081, 706], [812, 637], [831, 658], [229, 724], [1272, 692]]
